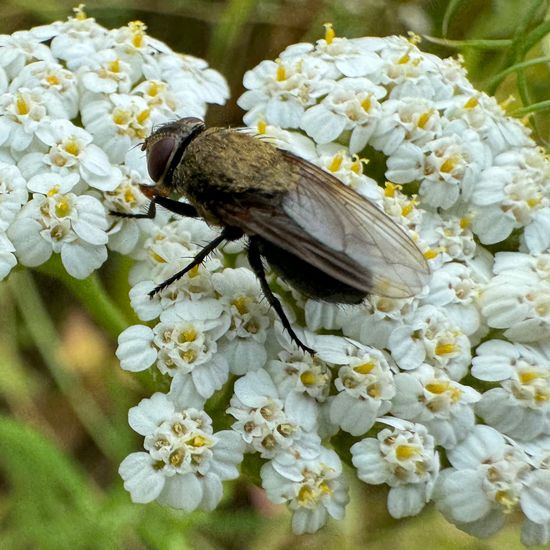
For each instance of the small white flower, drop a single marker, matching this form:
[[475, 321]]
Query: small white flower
[[127, 234], [433, 399], [19, 49], [262, 420], [430, 336], [13, 194], [405, 459], [240, 293], [365, 387], [278, 92], [518, 297], [71, 151], [22, 112], [303, 381], [519, 408], [56, 220], [57, 84], [454, 288], [183, 344], [185, 461], [412, 119], [104, 72], [78, 39], [489, 480], [7, 256], [117, 122], [353, 105], [317, 490]]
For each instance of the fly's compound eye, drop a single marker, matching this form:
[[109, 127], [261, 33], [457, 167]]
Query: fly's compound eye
[[158, 156]]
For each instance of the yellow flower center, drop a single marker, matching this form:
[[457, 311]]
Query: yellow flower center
[[52, 80], [281, 71], [404, 452], [366, 104], [22, 106], [438, 387], [71, 146], [114, 66], [241, 304], [423, 119], [391, 188], [308, 378], [336, 162], [62, 207], [364, 368], [472, 103], [53, 191], [176, 458], [444, 349], [330, 33]]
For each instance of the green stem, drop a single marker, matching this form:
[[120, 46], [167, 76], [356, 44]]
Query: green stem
[[93, 296], [533, 108], [481, 44], [497, 79], [44, 334]]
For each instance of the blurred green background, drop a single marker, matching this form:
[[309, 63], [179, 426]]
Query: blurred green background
[[63, 398]]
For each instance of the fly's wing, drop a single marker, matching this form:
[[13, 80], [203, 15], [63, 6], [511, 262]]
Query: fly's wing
[[333, 228]]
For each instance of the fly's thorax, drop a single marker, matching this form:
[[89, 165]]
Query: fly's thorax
[[228, 161]]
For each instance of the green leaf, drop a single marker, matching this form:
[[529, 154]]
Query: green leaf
[[533, 108], [480, 44], [449, 12]]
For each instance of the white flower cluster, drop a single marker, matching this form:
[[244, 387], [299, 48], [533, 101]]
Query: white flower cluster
[[460, 372], [75, 98], [458, 174]]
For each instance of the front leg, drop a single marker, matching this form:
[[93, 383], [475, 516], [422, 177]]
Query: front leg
[[182, 208]]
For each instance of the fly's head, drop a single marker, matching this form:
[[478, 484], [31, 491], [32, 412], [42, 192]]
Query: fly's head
[[165, 148]]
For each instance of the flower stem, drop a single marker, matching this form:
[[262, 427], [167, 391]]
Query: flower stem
[[44, 334], [93, 296]]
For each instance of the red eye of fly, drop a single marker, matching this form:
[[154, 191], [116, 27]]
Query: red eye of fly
[[158, 156]]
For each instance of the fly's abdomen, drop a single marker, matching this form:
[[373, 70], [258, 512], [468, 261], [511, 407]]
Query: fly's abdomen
[[309, 280]]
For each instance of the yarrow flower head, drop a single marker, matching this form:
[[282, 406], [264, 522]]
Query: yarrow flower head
[[75, 99], [397, 373]]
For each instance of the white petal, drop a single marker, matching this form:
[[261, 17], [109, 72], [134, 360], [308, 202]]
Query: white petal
[[460, 496], [141, 479], [80, 258], [252, 388], [482, 444], [212, 492], [135, 351], [308, 521], [184, 393], [31, 248], [227, 455], [354, 416], [406, 500], [183, 492], [211, 376], [145, 417], [535, 498]]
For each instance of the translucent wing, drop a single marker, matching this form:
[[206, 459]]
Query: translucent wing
[[335, 229]]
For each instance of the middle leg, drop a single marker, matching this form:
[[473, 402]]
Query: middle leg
[[255, 260]]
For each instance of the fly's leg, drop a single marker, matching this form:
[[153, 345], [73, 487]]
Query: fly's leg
[[181, 208], [255, 260], [228, 234]]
